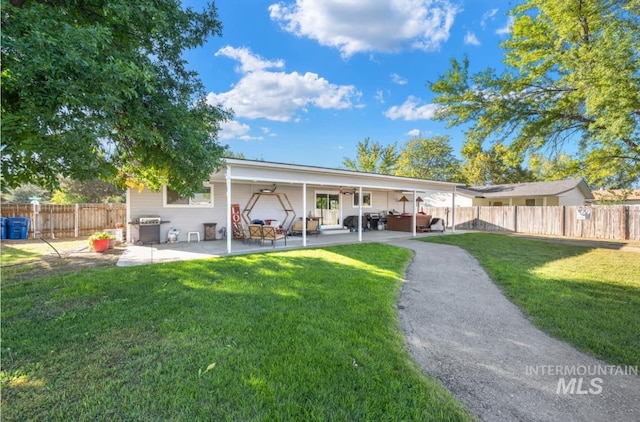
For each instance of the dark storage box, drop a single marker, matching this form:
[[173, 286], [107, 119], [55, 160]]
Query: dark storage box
[[210, 231]]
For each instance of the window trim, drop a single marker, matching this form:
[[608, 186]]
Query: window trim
[[364, 205], [210, 204]]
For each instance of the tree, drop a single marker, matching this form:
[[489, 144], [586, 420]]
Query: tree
[[373, 158], [430, 158], [559, 167], [571, 78], [23, 194], [90, 191], [100, 89], [496, 166]]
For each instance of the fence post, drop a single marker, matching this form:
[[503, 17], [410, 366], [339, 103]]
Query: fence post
[[453, 213], [624, 222], [515, 219], [76, 210], [34, 226], [564, 220]]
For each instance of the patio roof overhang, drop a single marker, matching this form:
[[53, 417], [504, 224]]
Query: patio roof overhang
[[250, 171]]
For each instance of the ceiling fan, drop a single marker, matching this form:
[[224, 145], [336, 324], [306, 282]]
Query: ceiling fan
[[347, 192]]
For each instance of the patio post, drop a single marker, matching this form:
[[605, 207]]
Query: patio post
[[229, 229], [359, 213], [304, 214], [415, 213]]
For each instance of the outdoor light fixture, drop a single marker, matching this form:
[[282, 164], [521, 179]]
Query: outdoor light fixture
[[418, 201], [404, 201]]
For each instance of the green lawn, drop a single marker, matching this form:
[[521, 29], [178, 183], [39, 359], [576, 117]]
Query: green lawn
[[296, 335], [589, 297]]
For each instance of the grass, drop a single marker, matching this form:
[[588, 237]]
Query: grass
[[589, 297], [296, 335]]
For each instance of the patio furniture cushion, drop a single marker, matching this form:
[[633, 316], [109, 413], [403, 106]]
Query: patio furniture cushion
[[255, 232], [270, 233]]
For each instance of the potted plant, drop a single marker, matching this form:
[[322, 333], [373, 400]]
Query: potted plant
[[99, 241]]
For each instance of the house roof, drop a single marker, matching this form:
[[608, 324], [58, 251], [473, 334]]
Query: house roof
[[529, 190], [252, 171]]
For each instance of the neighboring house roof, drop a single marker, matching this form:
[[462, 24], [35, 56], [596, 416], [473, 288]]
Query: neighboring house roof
[[622, 195], [529, 190]]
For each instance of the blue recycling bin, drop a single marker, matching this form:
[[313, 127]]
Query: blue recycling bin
[[3, 228], [17, 228]]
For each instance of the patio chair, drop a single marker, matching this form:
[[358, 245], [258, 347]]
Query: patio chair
[[270, 233], [313, 227], [296, 229], [255, 232]]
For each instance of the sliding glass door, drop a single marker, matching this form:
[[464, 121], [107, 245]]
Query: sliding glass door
[[328, 209]]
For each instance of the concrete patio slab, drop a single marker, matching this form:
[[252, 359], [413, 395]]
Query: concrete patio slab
[[167, 252]]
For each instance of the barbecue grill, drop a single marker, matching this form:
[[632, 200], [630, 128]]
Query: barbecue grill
[[148, 228], [149, 220]]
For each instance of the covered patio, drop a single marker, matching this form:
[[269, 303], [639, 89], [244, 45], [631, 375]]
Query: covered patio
[[182, 251], [243, 192]]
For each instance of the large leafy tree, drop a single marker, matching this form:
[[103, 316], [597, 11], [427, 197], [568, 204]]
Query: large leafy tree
[[495, 166], [373, 157], [23, 194], [89, 191], [571, 82], [559, 167], [99, 88], [428, 158]]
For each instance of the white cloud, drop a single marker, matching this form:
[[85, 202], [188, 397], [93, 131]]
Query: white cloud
[[236, 130], [357, 26], [506, 30], [488, 16], [414, 133], [397, 79], [249, 62], [471, 39], [267, 131], [411, 110], [379, 96], [277, 95]]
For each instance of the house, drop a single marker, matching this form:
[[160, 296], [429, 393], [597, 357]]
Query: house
[[559, 192], [617, 196], [279, 194]]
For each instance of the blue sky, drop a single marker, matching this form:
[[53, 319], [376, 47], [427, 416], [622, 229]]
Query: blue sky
[[309, 79]]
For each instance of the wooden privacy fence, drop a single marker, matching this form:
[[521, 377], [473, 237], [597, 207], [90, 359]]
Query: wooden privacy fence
[[64, 221], [611, 222]]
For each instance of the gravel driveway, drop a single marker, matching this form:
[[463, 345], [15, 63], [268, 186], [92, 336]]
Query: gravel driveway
[[463, 331]]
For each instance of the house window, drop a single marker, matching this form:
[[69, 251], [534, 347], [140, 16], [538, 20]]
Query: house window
[[201, 198], [366, 199], [530, 202]]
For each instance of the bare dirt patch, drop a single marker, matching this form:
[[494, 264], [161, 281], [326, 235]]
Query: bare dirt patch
[[37, 258]]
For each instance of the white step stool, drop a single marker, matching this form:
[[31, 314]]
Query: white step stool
[[197, 234]]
